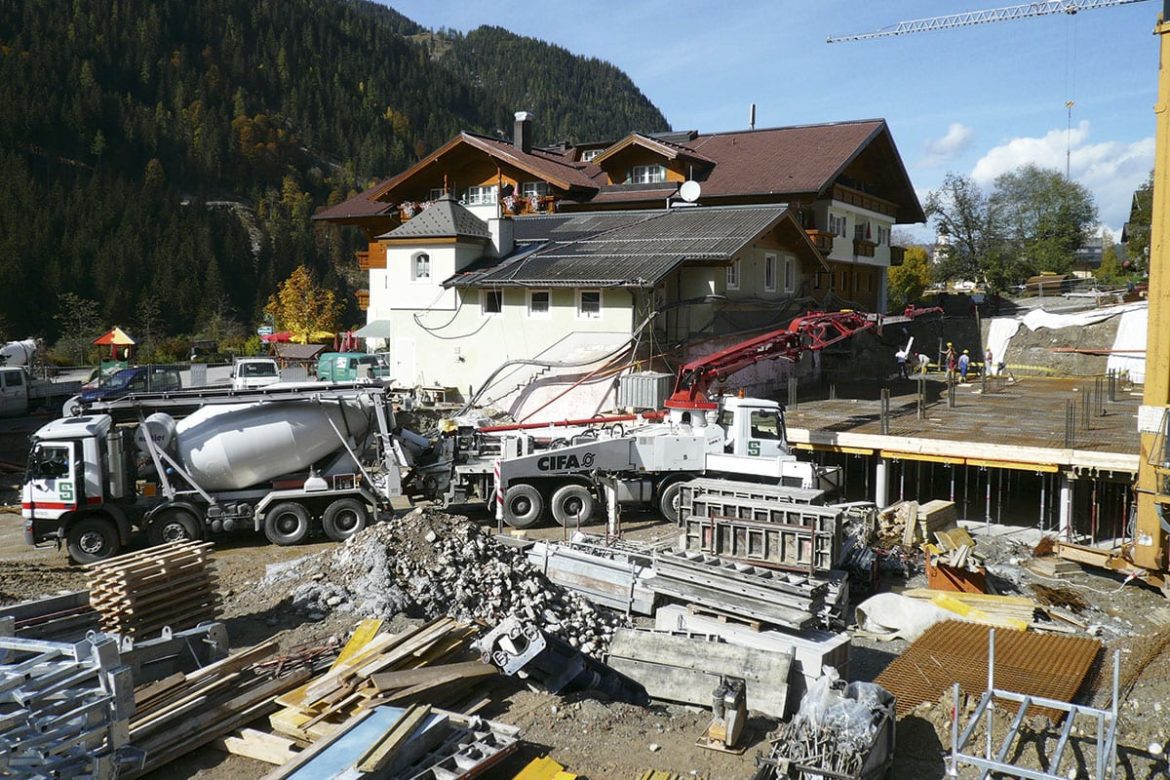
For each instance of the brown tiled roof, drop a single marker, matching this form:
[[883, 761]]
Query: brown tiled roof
[[784, 159], [360, 205]]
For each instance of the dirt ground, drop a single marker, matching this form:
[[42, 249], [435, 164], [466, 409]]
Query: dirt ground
[[605, 740]]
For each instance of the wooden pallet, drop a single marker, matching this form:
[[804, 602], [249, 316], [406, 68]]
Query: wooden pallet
[[723, 616], [170, 585]]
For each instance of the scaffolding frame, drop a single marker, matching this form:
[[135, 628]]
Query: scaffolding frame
[[1105, 720]]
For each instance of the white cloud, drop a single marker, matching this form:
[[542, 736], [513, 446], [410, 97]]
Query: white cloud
[[947, 148], [1111, 170]]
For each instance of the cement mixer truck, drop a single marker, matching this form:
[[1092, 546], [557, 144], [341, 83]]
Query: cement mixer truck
[[287, 461]]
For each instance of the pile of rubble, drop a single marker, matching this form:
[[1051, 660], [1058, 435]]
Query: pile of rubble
[[430, 563]]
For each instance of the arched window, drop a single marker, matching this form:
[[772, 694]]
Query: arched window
[[422, 266]]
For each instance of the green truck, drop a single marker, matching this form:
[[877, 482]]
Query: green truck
[[348, 366]]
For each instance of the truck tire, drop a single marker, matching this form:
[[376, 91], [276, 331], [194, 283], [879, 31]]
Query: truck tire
[[523, 506], [668, 499], [344, 518], [570, 502], [92, 539], [286, 524], [174, 525]]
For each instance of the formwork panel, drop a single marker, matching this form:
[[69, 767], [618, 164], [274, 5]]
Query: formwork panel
[[1035, 664]]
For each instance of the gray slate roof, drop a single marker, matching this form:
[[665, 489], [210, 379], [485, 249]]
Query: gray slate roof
[[445, 218], [634, 249]]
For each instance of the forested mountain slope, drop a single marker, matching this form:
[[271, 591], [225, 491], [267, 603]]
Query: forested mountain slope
[[167, 154]]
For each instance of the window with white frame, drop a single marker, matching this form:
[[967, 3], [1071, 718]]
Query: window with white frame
[[789, 274], [539, 303], [770, 273], [647, 174], [733, 275], [436, 193], [421, 267], [480, 196], [589, 154], [837, 225], [534, 189], [589, 304], [491, 302]]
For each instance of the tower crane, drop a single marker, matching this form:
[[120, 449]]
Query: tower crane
[[1146, 554], [972, 18]]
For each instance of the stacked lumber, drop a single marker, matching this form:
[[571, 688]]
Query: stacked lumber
[[142, 592], [177, 714], [432, 663], [1052, 567]]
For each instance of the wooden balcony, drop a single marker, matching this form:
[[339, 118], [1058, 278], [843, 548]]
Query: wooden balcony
[[897, 254], [363, 299], [863, 248], [822, 240], [864, 201], [545, 204], [363, 259]]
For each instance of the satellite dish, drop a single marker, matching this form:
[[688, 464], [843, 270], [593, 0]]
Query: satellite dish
[[690, 191]]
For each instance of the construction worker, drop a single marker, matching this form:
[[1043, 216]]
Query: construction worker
[[988, 363], [901, 357], [949, 361], [964, 364], [923, 363]]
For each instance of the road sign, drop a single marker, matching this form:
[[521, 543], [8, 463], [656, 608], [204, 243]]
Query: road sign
[[264, 330]]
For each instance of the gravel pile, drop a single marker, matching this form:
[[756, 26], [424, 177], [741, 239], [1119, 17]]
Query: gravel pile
[[428, 564]]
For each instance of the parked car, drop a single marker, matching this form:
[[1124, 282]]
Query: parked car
[[348, 366], [248, 373], [136, 379]]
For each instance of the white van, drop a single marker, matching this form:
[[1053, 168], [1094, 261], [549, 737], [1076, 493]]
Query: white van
[[248, 373]]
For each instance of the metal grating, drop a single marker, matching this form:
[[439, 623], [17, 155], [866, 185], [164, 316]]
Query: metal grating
[[1041, 665]]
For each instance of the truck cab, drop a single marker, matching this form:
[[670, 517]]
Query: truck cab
[[64, 496], [248, 373], [13, 392], [753, 427]]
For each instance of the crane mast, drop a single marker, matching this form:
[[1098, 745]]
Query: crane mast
[[972, 18]]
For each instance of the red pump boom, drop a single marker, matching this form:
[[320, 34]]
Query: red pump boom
[[810, 333]]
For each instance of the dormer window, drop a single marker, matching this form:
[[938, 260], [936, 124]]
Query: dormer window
[[534, 189], [422, 267], [647, 174], [589, 154]]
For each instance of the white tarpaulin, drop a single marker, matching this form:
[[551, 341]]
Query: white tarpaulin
[[1129, 346], [999, 335], [894, 616], [1038, 318]]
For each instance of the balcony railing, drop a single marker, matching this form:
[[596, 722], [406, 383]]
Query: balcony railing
[[363, 299], [822, 240], [863, 248], [544, 204], [363, 259]]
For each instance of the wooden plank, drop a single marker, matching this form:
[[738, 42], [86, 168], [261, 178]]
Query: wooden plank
[[365, 631], [381, 753], [259, 746], [387, 681]]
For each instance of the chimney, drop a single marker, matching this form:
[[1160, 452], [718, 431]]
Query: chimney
[[503, 235], [522, 131]]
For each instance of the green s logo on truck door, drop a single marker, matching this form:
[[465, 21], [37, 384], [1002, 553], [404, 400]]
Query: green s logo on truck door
[[753, 448], [65, 490]]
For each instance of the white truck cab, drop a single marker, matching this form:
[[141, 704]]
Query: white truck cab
[[248, 373]]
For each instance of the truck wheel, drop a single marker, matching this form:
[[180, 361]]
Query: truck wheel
[[571, 502], [174, 525], [344, 518], [286, 523], [668, 501], [92, 539], [523, 506]]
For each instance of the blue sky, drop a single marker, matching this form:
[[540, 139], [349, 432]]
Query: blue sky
[[978, 101]]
